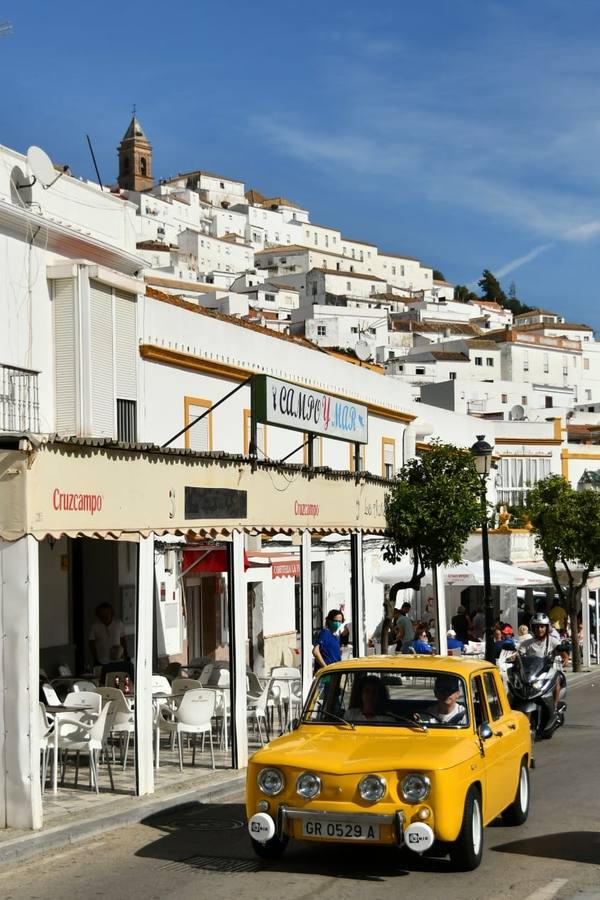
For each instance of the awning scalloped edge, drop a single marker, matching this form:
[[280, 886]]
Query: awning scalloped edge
[[190, 533]]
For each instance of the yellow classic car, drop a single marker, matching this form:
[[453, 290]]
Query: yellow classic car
[[407, 750]]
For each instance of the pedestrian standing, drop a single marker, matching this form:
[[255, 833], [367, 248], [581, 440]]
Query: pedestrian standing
[[107, 631], [327, 648], [405, 631]]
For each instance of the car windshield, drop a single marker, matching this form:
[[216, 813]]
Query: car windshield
[[391, 697]]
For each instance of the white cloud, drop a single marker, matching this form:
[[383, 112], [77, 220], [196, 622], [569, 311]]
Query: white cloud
[[514, 264]]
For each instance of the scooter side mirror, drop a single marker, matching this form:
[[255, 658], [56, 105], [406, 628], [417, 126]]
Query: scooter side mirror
[[485, 732]]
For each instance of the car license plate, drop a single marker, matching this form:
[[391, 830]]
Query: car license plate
[[341, 831]]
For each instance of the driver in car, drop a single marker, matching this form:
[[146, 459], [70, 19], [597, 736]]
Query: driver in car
[[447, 710]]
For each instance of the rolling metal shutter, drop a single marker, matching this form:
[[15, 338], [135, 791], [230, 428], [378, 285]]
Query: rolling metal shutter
[[65, 356], [101, 360], [125, 345]]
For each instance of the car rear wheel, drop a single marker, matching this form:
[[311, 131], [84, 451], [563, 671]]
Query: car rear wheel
[[517, 812], [467, 850], [272, 849]]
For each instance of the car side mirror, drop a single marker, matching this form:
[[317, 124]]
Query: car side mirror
[[485, 732]]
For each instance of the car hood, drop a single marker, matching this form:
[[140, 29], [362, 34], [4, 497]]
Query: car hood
[[340, 751]]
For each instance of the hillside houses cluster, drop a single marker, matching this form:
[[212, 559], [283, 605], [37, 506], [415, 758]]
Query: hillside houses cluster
[[213, 241]]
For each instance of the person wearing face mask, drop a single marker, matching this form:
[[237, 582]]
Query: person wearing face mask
[[327, 649]]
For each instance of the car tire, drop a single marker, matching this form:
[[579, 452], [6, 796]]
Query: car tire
[[467, 850], [517, 812], [272, 849]]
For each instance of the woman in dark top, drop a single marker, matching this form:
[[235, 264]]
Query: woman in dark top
[[461, 624]]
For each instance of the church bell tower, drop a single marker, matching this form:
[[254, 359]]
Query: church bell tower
[[135, 159]]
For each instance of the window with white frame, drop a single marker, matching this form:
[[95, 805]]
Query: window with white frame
[[321, 330], [388, 457], [19, 402], [518, 474]]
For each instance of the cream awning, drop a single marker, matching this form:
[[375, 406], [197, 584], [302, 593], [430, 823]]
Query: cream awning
[[97, 488]]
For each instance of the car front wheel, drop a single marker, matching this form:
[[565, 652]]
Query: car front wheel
[[517, 812], [272, 849], [467, 850]]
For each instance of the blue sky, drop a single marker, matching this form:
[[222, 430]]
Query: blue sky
[[466, 133]]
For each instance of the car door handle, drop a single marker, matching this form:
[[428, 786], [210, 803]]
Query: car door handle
[[512, 726], [498, 733]]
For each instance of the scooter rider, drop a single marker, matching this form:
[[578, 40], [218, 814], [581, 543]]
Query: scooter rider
[[543, 643]]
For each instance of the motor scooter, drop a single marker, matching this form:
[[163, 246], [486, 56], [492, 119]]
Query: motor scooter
[[531, 686]]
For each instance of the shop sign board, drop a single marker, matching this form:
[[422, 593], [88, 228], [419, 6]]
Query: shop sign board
[[299, 408]]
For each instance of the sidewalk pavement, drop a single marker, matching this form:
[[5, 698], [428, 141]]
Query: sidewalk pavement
[[211, 787]]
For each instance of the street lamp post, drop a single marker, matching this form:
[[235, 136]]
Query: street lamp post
[[482, 453]]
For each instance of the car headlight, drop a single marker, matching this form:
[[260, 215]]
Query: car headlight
[[415, 788], [538, 684], [372, 788], [308, 785], [271, 781]]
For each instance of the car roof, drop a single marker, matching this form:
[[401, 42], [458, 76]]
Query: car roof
[[426, 662]]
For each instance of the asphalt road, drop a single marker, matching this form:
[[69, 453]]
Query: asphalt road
[[203, 851]]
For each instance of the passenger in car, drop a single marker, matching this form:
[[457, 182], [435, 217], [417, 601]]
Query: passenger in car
[[369, 701]]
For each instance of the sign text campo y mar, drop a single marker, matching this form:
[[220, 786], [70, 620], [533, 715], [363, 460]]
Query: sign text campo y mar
[[302, 409]]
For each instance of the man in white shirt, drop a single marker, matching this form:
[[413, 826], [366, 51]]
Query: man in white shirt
[[447, 710], [106, 632], [542, 642]]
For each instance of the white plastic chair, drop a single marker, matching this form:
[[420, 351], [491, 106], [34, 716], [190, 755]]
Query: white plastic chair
[[78, 737], [84, 685], [84, 698], [46, 729], [52, 698], [258, 710], [193, 716], [161, 684], [205, 674], [181, 685], [253, 684], [123, 722]]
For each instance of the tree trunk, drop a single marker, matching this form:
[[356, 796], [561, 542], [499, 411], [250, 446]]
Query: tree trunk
[[573, 611], [389, 606]]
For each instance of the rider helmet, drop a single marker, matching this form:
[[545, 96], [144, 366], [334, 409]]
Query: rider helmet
[[540, 618]]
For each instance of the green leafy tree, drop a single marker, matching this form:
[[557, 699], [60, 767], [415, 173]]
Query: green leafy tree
[[490, 288], [431, 509], [566, 523], [463, 294], [438, 276]]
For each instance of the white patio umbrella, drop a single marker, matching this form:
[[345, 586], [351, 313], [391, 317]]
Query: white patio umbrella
[[469, 574]]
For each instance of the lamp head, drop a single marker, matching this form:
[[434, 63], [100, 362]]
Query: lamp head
[[482, 453]]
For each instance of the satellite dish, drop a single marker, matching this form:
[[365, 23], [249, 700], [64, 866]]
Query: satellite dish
[[363, 351], [517, 413], [20, 187], [42, 167]]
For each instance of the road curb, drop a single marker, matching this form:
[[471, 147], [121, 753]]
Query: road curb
[[33, 843]]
